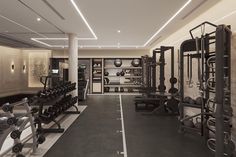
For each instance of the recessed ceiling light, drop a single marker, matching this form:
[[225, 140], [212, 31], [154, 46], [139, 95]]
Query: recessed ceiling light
[[38, 19], [118, 31]]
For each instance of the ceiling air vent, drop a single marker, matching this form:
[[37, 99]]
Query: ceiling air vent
[[53, 9]]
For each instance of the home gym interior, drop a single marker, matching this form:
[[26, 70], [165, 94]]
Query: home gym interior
[[110, 78]]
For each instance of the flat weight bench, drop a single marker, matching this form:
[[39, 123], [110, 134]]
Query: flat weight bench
[[146, 103]]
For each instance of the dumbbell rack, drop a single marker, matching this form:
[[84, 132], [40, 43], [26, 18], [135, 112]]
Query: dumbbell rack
[[45, 104], [214, 87], [17, 123]]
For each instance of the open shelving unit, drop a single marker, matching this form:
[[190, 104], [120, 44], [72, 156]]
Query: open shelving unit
[[97, 75], [128, 82]]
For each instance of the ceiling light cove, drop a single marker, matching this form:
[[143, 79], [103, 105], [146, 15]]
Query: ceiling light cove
[[40, 40], [167, 22], [82, 16]]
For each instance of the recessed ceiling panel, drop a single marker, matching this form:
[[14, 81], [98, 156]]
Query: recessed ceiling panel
[[72, 22]]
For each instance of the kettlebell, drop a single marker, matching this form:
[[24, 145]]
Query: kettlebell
[[122, 89], [116, 89], [198, 124], [118, 74], [106, 73]]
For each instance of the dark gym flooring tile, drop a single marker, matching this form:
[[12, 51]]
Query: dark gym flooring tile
[[94, 133], [157, 136]]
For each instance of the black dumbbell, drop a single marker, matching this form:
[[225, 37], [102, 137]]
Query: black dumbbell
[[7, 107], [20, 155], [12, 121], [15, 134], [17, 148], [41, 139], [53, 111]]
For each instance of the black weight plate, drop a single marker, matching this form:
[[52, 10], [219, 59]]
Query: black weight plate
[[173, 80], [173, 90], [164, 87]]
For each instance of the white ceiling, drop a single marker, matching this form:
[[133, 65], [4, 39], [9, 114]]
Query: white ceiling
[[138, 21]]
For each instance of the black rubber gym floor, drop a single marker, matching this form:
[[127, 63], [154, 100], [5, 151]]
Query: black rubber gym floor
[[94, 133]]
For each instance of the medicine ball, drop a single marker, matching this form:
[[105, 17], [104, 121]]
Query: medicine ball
[[106, 73], [135, 62], [116, 89], [122, 89], [118, 62], [187, 99]]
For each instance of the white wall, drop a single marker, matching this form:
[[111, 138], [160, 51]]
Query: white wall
[[223, 12], [12, 82], [17, 81]]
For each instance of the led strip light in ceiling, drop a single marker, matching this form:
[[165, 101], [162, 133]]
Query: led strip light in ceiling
[[198, 31], [111, 46], [39, 40]]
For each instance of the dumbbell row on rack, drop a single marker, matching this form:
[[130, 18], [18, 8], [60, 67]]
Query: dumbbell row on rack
[[52, 112], [52, 93], [15, 123]]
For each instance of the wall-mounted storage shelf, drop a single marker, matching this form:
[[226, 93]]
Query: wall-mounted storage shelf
[[124, 78], [123, 67], [97, 75]]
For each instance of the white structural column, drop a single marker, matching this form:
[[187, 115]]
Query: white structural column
[[73, 61]]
